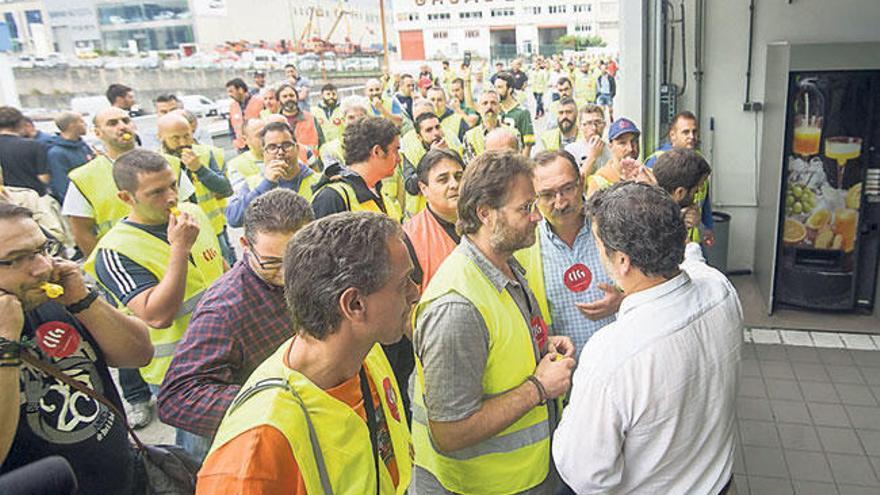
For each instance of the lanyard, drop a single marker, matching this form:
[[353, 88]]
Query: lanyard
[[370, 410]]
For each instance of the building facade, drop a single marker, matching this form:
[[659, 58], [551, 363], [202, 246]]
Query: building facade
[[25, 23], [499, 29]]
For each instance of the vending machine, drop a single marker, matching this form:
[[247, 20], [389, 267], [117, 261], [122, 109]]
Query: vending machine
[[829, 203]]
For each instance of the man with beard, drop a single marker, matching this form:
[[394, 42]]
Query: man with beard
[[382, 105], [566, 130], [590, 150], [205, 168], [563, 267], [684, 133], [623, 138], [300, 83], [512, 113], [475, 139], [683, 173], [329, 113], [92, 207], [78, 332], [483, 409], [452, 121], [281, 169], [564, 89], [306, 128], [654, 400]]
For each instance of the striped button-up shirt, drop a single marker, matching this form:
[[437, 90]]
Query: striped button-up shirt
[[558, 258]]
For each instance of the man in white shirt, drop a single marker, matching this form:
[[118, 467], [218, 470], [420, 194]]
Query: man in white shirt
[[590, 150], [652, 407]]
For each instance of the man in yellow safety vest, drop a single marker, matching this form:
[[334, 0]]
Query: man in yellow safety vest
[[325, 407], [487, 370]]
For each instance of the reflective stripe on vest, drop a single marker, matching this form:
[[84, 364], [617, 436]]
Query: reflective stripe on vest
[[552, 139], [332, 126], [329, 441], [95, 181], [150, 252], [351, 202], [430, 242], [517, 458]]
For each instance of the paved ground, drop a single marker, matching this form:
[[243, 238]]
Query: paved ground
[[809, 421], [808, 417]]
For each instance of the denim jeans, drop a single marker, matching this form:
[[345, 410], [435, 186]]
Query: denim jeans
[[195, 445], [134, 388]]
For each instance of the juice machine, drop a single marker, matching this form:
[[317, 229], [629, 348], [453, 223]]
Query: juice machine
[[818, 226]]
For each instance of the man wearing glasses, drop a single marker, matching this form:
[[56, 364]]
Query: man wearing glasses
[[239, 322], [78, 332], [590, 150], [563, 267], [280, 168]]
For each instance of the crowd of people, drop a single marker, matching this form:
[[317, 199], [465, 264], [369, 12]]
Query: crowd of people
[[463, 283]]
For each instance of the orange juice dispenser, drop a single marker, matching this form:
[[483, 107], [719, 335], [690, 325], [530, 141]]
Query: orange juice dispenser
[[829, 214]]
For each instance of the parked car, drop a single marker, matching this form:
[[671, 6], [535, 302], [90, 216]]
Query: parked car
[[201, 106], [222, 106]]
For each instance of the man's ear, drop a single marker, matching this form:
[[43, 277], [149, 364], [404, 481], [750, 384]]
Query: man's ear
[[678, 194], [623, 262], [351, 305], [126, 197], [422, 187], [484, 213]]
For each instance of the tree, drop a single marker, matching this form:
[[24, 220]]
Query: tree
[[576, 42]]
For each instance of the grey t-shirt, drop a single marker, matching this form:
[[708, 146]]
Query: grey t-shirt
[[579, 150], [452, 341]]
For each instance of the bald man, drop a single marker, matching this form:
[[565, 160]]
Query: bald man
[[501, 138], [204, 166], [382, 106], [92, 206]]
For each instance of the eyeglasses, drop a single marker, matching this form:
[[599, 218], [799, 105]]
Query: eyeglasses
[[274, 148], [595, 123], [268, 263], [49, 249], [564, 191]]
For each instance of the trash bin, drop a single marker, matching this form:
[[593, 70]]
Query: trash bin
[[716, 255]]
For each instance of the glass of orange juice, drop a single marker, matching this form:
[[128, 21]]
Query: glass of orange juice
[[845, 221], [807, 135]]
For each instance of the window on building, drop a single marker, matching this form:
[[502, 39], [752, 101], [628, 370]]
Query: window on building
[[438, 17], [558, 9], [440, 35], [583, 7], [470, 15], [534, 10], [583, 28], [471, 33], [508, 12]]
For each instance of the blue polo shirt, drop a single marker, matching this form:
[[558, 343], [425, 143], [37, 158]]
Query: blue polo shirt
[[557, 259]]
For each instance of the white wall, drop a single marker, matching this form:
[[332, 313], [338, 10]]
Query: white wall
[[737, 133]]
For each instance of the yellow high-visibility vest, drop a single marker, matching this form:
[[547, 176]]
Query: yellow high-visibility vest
[[329, 440], [205, 266], [518, 457], [252, 174], [205, 198], [350, 197], [95, 181]]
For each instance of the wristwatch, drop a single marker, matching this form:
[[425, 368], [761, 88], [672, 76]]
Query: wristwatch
[[84, 303]]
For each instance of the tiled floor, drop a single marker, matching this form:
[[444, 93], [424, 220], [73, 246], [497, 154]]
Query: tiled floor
[[809, 421]]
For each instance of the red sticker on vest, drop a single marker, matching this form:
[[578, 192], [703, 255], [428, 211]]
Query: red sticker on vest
[[391, 398], [539, 329], [577, 278], [57, 339]]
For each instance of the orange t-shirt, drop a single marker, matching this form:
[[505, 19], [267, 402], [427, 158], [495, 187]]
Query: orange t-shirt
[[260, 460]]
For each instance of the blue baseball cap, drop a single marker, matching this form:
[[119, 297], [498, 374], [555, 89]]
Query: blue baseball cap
[[622, 126]]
